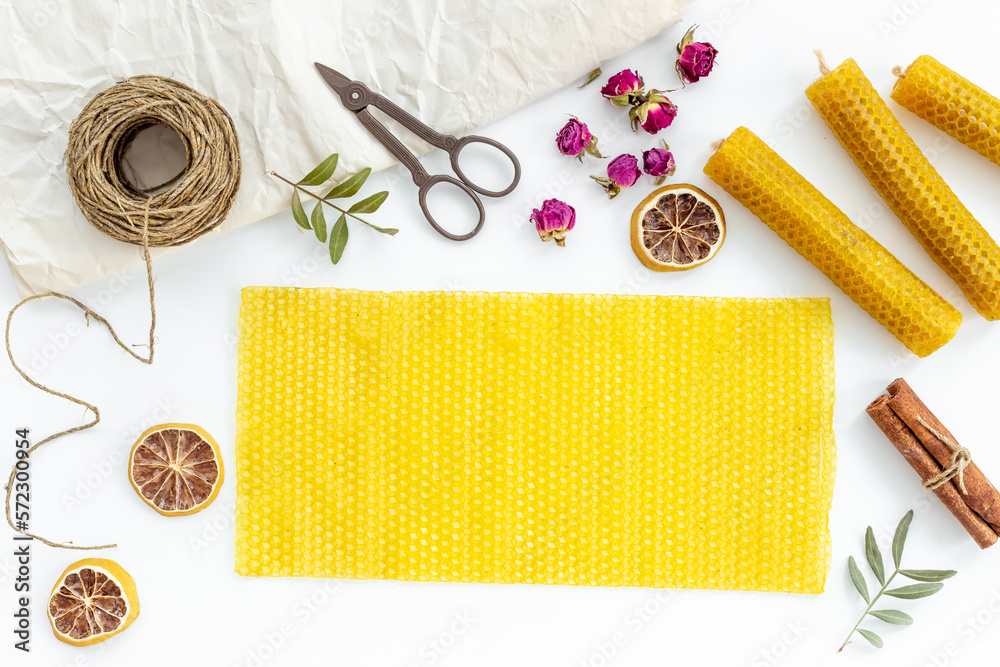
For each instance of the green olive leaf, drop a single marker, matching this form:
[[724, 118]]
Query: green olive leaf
[[350, 186], [338, 239], [872, 638], [391, 231], [298, 212], [914, 591], [858, 579], [900, 537], [319, 222], [322, 173], [874, 556], [928, 575], [892, 616], [369, 205]]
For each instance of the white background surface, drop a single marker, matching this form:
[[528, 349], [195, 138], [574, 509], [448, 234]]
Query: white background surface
[[195, 610]]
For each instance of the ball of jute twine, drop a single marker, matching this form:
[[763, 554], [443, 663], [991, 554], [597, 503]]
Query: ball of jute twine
[[197, 199], [168, 214]]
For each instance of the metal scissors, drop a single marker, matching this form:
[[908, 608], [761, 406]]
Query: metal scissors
[[357, 97]]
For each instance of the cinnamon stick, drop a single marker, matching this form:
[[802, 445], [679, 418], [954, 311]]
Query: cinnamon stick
[[904, 440], [982, 496]]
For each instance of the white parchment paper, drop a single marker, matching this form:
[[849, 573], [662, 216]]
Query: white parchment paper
[[456, 64]]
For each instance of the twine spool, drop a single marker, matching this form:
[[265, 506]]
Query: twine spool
[[185, 207], [190, 204]]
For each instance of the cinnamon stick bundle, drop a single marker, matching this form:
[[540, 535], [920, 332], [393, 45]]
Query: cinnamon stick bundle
[[930, 449]]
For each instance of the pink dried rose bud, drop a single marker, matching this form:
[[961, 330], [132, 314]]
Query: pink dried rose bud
[[653, 114], [623, 172], [575, 139], [622, 87], [553, 220], [694, 59], [659, 163]]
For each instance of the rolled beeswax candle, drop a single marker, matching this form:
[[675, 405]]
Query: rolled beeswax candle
[[757, 177], [912, 188], [951, 103]]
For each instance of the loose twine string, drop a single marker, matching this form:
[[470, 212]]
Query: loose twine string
[[196, 201], [960, 458]]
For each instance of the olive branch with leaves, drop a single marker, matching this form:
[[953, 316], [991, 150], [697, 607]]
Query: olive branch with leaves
[[316, 221], [930, 583]]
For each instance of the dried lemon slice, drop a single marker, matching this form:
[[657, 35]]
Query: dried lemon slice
[[93, 600], [676, 228], [176, 468]]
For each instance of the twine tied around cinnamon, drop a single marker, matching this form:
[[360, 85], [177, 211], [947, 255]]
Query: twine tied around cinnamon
[[190, 204], [960, 458]]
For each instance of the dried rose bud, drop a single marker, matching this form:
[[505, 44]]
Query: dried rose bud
[[655, 114], [659, 163], [621, 87], [623, 172], [553, 220], [694, 59], [575, 139]]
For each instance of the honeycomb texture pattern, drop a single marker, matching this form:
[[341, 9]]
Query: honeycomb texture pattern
[[535, 438], [757, 177], [952, 104], [909, 184]]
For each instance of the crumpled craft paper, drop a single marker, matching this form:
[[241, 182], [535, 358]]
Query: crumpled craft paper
[[455, 64]]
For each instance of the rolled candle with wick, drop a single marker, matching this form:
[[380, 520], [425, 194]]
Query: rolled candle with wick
[[951, 103], [757, 177], [909, 184]]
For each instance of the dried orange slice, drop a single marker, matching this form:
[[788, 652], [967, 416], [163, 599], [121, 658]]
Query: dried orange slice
[[176, 468], [676, 228], [93, 600]]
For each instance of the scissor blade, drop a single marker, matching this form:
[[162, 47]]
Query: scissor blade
[[333, 78]]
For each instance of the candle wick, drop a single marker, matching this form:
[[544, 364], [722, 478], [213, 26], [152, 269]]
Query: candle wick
[[823, 69]]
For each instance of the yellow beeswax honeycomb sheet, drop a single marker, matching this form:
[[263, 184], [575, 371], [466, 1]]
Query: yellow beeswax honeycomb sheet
[[535, 438]]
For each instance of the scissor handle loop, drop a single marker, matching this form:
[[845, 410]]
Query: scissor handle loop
[[471, 139], [430, 182]]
